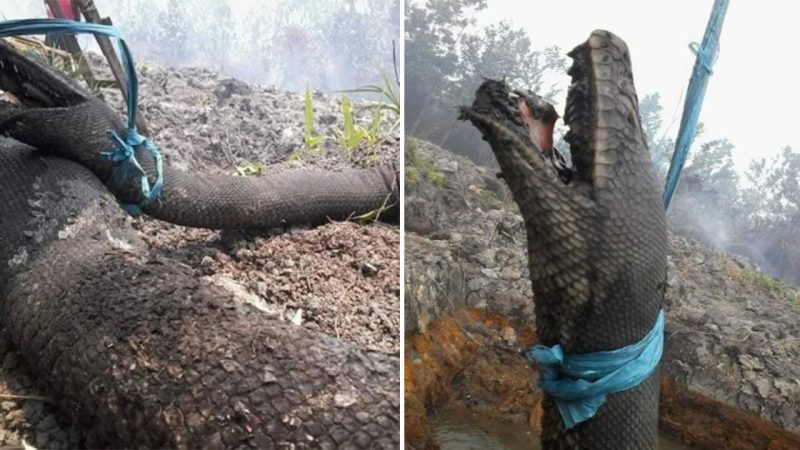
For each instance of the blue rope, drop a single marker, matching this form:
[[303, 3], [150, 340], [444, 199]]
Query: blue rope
[[706, 55], [579, 383], [122, 154]]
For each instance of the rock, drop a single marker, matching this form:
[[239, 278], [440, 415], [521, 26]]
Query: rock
[[8, 405], [231, 86], [15, 417], [763, 387], [751, 362]]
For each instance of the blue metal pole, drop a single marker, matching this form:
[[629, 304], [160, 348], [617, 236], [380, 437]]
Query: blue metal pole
[[706, 56]]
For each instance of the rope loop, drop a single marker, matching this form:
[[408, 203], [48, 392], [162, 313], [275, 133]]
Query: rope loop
[[579, 383], [707, 61], [123, 152]]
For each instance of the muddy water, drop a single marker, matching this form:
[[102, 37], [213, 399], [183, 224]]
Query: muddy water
[[460, 430]]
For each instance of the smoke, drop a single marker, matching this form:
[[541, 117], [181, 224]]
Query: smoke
[[292, 44]]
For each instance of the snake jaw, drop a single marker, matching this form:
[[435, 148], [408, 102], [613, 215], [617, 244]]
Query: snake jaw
[[34, 83], [496, 113]]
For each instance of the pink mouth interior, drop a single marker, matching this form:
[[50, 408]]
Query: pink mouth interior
[[541, 133]]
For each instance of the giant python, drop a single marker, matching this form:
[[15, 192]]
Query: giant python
[[135, 348], [597, 234]]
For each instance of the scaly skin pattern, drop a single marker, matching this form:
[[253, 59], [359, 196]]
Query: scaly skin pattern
[[63, 119], [142, 353], [132, 345], [596, 246]]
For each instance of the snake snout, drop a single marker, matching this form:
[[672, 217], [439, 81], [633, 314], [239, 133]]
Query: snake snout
[[34, 82]]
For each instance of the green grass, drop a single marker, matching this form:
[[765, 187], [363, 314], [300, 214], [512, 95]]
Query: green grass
[[249, 169], [350, 137], [769, 283], [311, 139], [417, 166]]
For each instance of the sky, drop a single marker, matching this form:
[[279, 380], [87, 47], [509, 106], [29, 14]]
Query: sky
[[287, 43], [753, 95]]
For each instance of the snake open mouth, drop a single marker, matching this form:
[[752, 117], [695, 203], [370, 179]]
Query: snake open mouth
[[531, 119], [578, 113]]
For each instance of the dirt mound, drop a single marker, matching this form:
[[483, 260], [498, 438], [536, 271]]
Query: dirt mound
[[733, 333], [341, 279]]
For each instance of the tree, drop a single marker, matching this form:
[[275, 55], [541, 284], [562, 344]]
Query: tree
[[447, 57], [173, 30]]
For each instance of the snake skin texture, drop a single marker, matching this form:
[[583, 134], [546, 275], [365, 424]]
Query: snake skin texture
[[596, 246], [63, 119], [131, 344]]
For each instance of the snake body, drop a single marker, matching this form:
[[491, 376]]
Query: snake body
[[136, 348], [597, 239]]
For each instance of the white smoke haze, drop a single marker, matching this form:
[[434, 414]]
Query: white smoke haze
[[323, 44], [740, 191]]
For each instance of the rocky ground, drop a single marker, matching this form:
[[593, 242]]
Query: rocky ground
[[341, 279], [733, 333]]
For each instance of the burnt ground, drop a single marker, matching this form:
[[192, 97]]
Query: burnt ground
[[341, 279], [732, 335]]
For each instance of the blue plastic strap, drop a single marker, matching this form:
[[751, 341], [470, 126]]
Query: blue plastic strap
[[123, 154], [706, 55], [579, 383]]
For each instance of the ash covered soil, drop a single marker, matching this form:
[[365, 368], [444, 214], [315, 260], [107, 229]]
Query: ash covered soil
[[733, 333], [341, 279]]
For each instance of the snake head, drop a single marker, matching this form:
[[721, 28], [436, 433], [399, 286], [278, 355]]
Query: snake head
[[592, 232], [36, 84], [53, 112]]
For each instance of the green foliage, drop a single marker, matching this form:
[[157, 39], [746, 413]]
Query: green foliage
[[754, 214], [769, 283], [436, 178], [386, 91], [417, 166], [374, 127], [412, 176], [446, 57], [311, 139], [249, 169], [68, 66], [352, 135]]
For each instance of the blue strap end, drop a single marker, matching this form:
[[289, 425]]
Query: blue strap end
[[579, 383]]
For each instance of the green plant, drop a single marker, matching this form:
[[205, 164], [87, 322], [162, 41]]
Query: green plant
[[352, 135], [248, 169], [387, 91], [436, 178], [421, 165], [312, 140], [372, 131]]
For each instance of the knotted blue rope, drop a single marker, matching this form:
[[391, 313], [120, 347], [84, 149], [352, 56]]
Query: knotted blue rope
[[123, 153], [706, 55], [579, 383]]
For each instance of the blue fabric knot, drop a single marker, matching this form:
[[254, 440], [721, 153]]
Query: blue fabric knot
[[579, 383], [706, 58], [123, 153], [124, 158]]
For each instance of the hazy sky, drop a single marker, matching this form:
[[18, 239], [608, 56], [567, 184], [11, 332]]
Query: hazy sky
[[753, 95]]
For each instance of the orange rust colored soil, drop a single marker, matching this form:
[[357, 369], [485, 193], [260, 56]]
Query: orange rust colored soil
[[473, 355], [704, 423]]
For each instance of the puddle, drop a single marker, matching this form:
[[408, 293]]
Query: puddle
[[461, 430]]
